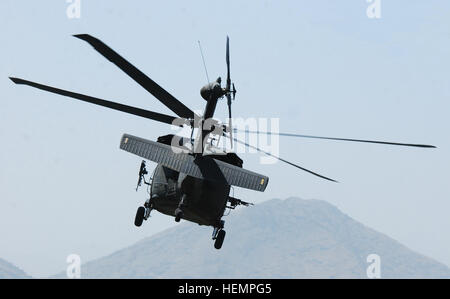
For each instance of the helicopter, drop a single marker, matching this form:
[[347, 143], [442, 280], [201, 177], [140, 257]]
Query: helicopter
[[189, 181]]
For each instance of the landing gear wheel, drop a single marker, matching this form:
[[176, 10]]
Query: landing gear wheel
[[139, 216], [219, 240], [178, 215]]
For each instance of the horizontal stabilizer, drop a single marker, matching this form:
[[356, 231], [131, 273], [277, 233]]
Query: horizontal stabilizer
[[201, 167]]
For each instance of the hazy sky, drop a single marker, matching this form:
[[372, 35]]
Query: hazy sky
[[322, 67]]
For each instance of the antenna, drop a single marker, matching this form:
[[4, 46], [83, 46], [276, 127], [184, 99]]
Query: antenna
[[203, 59]]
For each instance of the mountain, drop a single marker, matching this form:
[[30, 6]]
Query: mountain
[[290, 238], [9, 271]]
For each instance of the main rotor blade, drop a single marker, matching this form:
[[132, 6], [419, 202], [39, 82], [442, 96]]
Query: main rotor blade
[[339, 139], [116, 106], [285, 161], [151, 86], [228, 64]]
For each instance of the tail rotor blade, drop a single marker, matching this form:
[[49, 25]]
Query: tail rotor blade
[[228, 90], [230, 121], [228, 65]]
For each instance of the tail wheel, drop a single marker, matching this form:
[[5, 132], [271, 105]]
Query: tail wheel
[[219, 240], [139, 216]]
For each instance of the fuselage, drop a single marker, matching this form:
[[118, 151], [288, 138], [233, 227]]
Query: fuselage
[[205, 200]]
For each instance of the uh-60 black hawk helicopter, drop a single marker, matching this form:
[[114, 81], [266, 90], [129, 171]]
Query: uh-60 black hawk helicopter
[[188, 182]]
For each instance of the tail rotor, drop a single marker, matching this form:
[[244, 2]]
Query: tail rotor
[[230, 93]]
